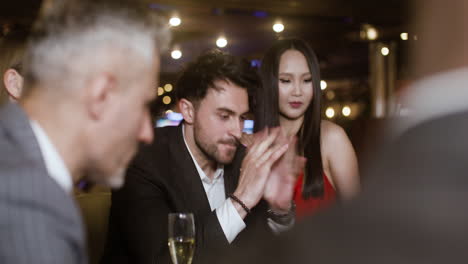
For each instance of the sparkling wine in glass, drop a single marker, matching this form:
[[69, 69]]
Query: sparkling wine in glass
[[181, 237]]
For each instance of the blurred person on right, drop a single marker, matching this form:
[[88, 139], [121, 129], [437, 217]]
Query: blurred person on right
[[412, 208]]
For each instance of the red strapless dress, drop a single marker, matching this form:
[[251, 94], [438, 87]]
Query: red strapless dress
[[313, 204]]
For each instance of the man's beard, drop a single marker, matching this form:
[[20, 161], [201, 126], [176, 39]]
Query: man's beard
[[210, 150]]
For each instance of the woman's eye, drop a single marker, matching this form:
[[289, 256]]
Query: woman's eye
[[284, 81], [308, 80]]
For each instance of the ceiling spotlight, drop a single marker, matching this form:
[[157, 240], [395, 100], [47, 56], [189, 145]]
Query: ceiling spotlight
[[221, 42], [160, 91], [346, 111], [385, 51], [175, 21], [323, 85], [404, 36], [166, 100], [176, 54], [278, 27], [372, 33], [369, 32], [168, 87], [330, 112]]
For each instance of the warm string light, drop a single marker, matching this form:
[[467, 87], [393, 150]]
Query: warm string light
[[176, 54], [369, 32], [278, 27], [372, 33], [221, 42], [160, 91], [165, 89], [175, 21], [166, 100], [168, 87], [330, 112], [404, 36], [323, 85], [346, 111], [385, 51]]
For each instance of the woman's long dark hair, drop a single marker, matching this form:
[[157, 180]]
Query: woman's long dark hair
[[267, 110]]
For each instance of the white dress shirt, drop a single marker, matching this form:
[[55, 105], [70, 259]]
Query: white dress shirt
[[55, 165], [228, 217]]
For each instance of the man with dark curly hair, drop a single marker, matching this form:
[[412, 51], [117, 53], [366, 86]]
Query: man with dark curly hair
[[200, 167]]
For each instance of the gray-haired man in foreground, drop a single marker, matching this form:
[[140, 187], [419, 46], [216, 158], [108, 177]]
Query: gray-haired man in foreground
[[89, 75]]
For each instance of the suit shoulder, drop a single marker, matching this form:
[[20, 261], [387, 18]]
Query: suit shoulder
[[155, 156], [165, 132], [163, 136]]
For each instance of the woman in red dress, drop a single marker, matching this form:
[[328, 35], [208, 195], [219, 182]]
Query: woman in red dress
[[290, 97]]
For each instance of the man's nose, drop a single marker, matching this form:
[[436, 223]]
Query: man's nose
[[236, 128]]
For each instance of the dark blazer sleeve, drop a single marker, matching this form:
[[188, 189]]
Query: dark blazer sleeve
[[140, 208], [139, 225]]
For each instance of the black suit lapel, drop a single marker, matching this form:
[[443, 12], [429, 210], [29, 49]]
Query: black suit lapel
[[188, 182]]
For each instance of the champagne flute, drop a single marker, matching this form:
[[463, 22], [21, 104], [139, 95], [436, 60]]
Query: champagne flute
[[181, 237]]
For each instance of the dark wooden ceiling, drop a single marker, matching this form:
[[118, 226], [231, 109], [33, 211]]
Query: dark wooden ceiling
[[331, 27]]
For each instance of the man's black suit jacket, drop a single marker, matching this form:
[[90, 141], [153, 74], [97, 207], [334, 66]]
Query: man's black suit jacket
[[163, 179]]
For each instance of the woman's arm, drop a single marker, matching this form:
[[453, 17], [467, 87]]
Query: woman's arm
[[339, 154]]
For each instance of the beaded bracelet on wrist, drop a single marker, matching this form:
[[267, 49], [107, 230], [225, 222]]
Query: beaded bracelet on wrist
[[237, 200]]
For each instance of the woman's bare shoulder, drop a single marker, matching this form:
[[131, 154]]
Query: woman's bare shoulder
[[331, 131]]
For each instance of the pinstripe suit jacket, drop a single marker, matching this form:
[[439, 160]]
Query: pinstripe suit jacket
[[39, 221]]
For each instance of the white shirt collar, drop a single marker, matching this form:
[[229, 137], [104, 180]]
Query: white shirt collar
[[219, 171], [55, 165]]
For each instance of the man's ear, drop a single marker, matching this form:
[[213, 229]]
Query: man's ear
[[13, 82], [187, 110], [99, 93]]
